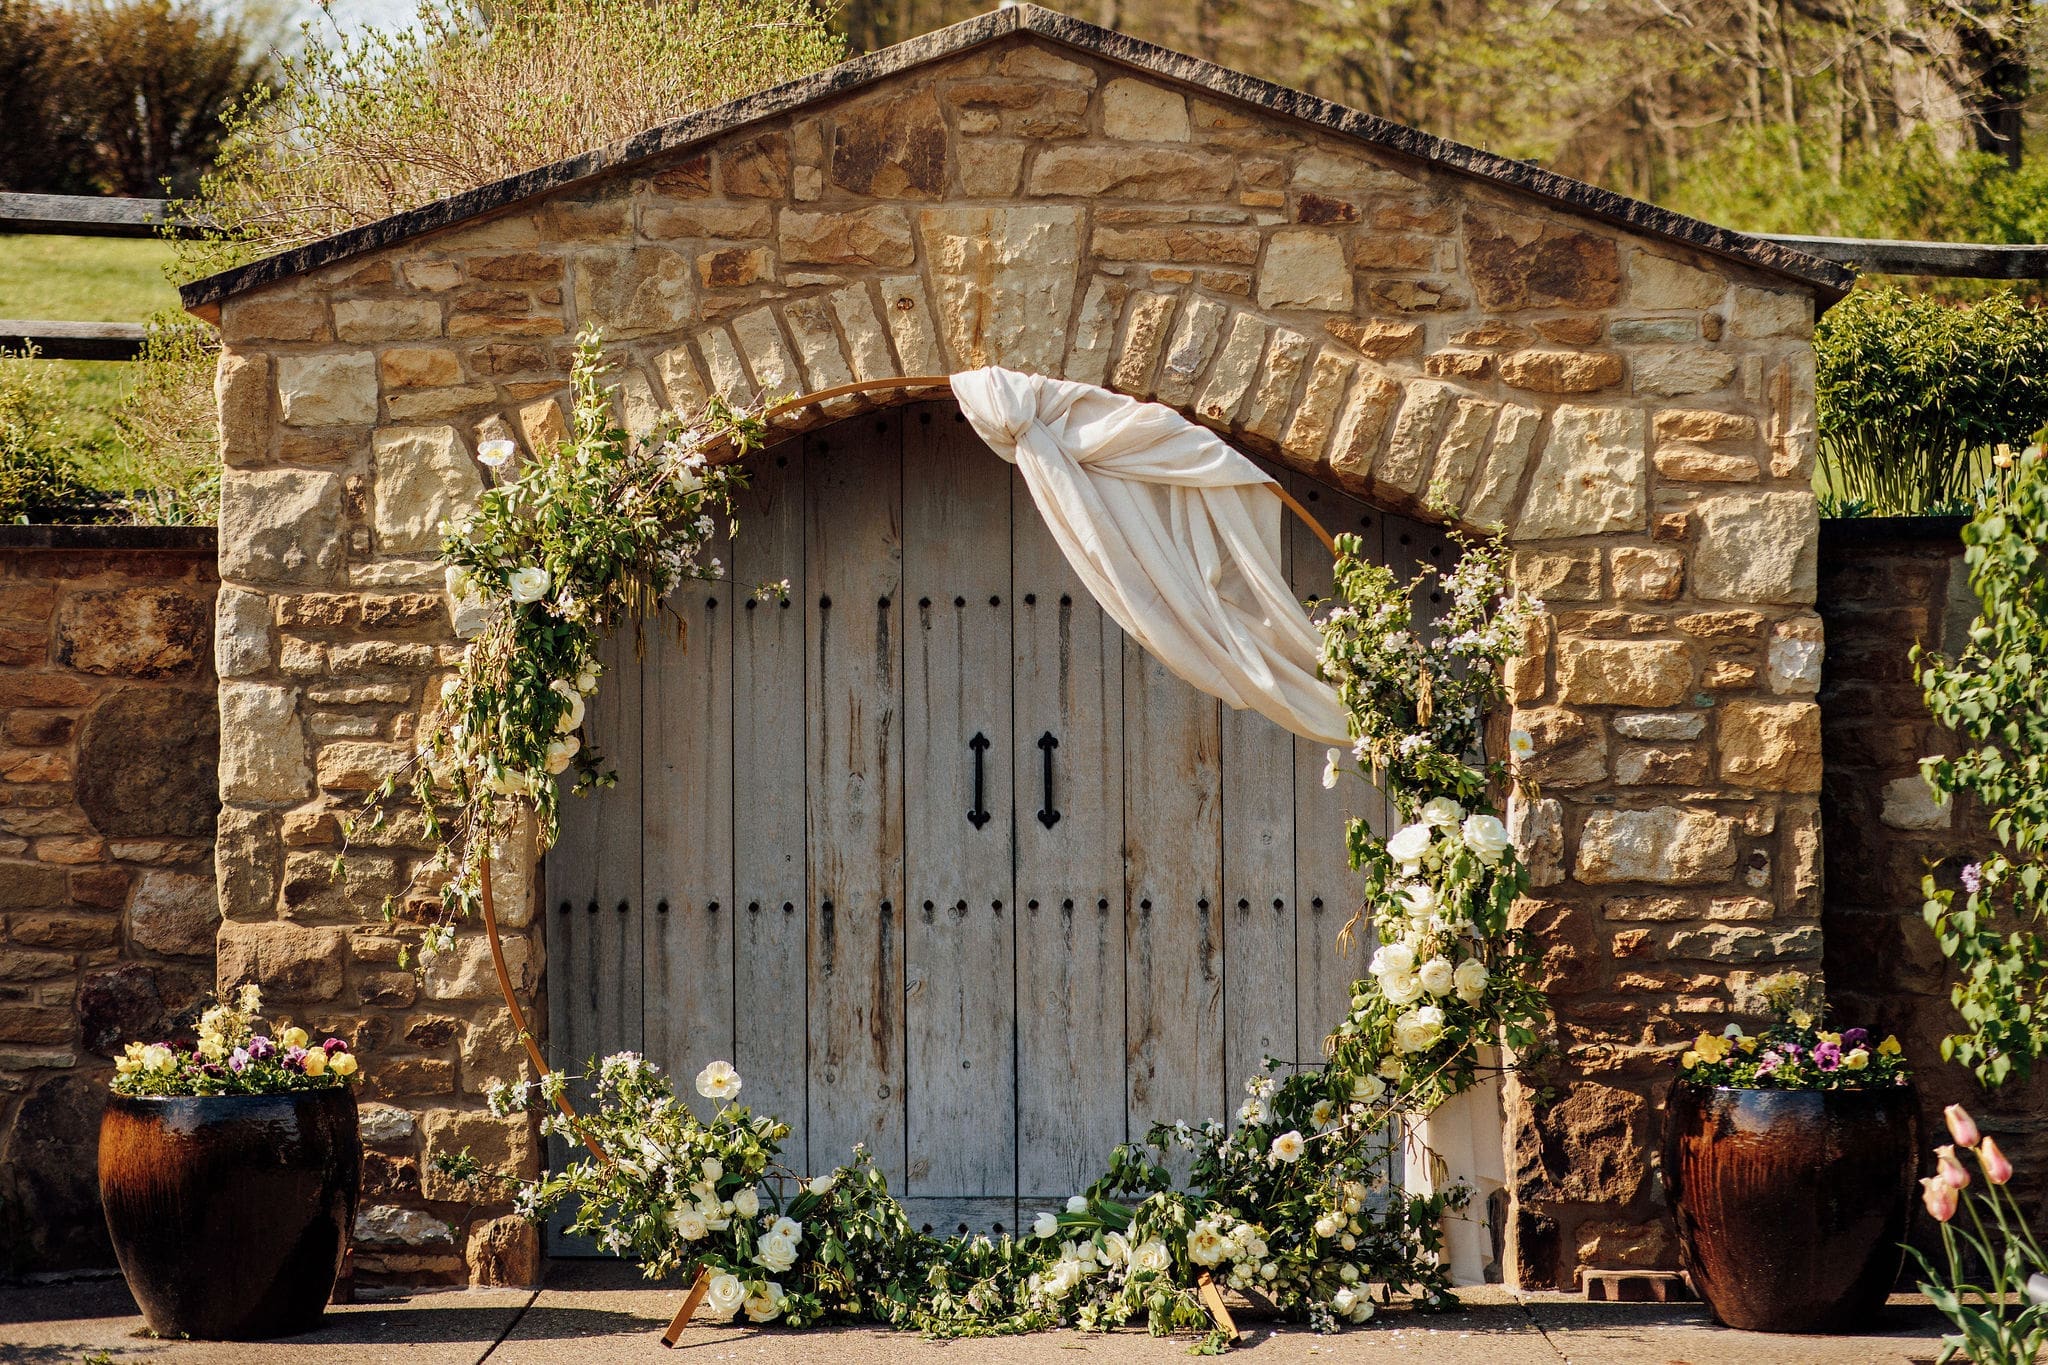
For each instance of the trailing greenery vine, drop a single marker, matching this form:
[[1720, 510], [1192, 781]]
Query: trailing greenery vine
[[1291, 1201]]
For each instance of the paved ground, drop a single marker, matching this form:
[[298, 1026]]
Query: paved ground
[[601, 1314]]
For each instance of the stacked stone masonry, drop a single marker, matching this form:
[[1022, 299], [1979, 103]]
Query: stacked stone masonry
[[1638, 417], [107, 801]]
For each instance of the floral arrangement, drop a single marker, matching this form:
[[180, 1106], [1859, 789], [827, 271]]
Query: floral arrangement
[[578, 542], [230, 1057], [1795, 1052], [2003, 1321]]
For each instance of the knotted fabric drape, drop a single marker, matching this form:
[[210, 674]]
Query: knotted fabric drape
[[1175, 534]]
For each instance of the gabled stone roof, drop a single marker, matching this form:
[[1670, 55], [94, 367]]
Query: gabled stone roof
[[1828, 281]]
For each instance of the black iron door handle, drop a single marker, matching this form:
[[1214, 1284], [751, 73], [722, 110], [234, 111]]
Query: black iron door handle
[[1047, 814], [977, 814]]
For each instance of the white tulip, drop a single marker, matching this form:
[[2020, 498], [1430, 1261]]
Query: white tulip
[[822, 1185], [1077, 1203], [1330, 763], [1046, 1226], [529, 584]]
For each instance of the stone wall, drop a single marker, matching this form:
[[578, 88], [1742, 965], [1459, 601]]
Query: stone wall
[[107, 802], [1637, 414], [1885, 585]]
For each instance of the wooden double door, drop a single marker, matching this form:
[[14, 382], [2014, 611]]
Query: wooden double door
[[943, 862]]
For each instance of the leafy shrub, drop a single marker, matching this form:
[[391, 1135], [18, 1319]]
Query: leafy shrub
[[169, 422], [1994, 696], [1916, 397], [35, 476], [363, 127]]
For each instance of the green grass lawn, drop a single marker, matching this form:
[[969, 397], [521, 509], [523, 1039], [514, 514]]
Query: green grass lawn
[[88, 279]]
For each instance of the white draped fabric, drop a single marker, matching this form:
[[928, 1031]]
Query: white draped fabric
[[1174, 533]]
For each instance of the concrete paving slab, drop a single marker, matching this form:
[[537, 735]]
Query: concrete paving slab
[[1908, 1332], [66, 1322]]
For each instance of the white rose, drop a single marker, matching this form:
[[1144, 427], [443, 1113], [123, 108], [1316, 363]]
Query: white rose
[[1418, 898], [586, 679], [688, 1224], [529, 584], [746, 1203], [724, 1297], [497, 454], [1152, 1256], [1046, 1226], [1419, 1029], [1486, 836], [1077, 1203], [1116, 1248], [1367, 1088], [1207, 1245], [1344, 1300], [718, 1081], [1409, 843], [1288, 1147], [460, 584], [776, 1253], [1328, 1225], [1438, 977], [1392, 959], [822, 1184], [765, 1303], [1401, 988], [509, 781], [1471, 980], [560, 751], [572, 716], [1442, 813]]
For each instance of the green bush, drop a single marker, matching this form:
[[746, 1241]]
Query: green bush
[[1918, 397], [35, 475], [169, 422]]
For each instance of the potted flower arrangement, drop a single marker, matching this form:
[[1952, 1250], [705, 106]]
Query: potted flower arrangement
[[229, 1171], [1789, 1155]]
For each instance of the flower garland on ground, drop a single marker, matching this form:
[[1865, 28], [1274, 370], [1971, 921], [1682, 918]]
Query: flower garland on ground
[[1292, 1202]]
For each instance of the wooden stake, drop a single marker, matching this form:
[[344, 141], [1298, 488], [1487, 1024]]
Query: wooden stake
[[1212, 1299], [683, 1315]]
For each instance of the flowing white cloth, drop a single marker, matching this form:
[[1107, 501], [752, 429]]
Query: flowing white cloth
[[1176, 535]]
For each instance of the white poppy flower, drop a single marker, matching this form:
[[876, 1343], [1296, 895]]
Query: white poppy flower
[[1486, 836], [497, 454], [529, 584], [718, 1081], [1520, 744], [1409, 843], [786, 1226], [1471, 980], [1437, 975], [724, 1297], [1288, 1147], [573, 715]]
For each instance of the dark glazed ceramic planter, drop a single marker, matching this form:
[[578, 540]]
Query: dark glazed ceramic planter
[[230, 1213], [1792, 1204]]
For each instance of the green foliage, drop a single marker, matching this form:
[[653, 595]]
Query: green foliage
[[35, 476], [2004, 1319], [358, 128], [1994, 696], [118, 96], [168, 422], [1916, 397]]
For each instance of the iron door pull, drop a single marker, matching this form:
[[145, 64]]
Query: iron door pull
[[1048, 815], [977, 814]]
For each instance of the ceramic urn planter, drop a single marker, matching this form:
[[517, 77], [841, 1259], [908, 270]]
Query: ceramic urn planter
[[230, 1213], [1792, 1205]]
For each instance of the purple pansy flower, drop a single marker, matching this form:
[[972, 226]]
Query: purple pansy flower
[[295, 1059], [1828, 1057], [1855, 1037], [261, 1048], [238, 1060], [1973, 878], [1768, 1063], [333, 1045]]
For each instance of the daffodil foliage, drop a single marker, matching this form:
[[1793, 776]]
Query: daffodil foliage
[[1290, 1199], [1994, 696]]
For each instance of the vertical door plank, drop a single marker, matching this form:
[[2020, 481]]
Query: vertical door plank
[[1172, 842], [1258, 884], [615, 721], [854, 789], [959, 936], [771, 1039], [1071, 1022], [1326, 890], [686, 911]]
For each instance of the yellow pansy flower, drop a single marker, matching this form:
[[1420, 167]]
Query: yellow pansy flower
[[316, 1063], [1748, 1046], [1890, 1046], [292, 1037], [1711, 1046], [1834, 1038], [1690, 1060], [1802, 1018], [1857, 1059]]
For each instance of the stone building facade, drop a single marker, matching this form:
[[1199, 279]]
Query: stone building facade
[[107, 801], [1628, 392]]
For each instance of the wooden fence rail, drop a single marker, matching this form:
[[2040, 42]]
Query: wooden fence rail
[[86, 215], [74, 340]]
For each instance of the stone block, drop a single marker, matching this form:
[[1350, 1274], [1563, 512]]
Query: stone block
[[867, 342], [287, 960], [634, 293], [1236, 370], [1004, 281], [1537, 827], [1308, 435], [389, 1225], [243, 641], [424, 477], [1592, 477], [1773, 745], [174, 914], [1136, 110], [502, 1146], [503, 1253], [338, 390], [894, 148], [419, 367], [1305, 269], [1514, 437], [1756, 547], [1785, 312], [386, 1125], [767, 354], [1531, 260], [280, 526], [253, 317], [1571, 748], [466, 972], [386, 319], [1194, 341], [1405, 463], [913, 327], [1647, 573], [1666, 725], [241, 391], [1659, 283], [1909, 803], [1279, 376], [1561, 371], [817, 343], [1667, 845], [262, 748], [1624, 672], [1674, 371], [874, 236], [1155, 174], [1794, 660], [136, 632]]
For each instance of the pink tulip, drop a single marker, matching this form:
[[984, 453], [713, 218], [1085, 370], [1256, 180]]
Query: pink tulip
[[1940, 1198], [1997, 1169], [1950, 1169], [1961, 1126]]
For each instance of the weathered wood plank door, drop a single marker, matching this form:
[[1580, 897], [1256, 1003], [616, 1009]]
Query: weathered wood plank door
[[941, 860]]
